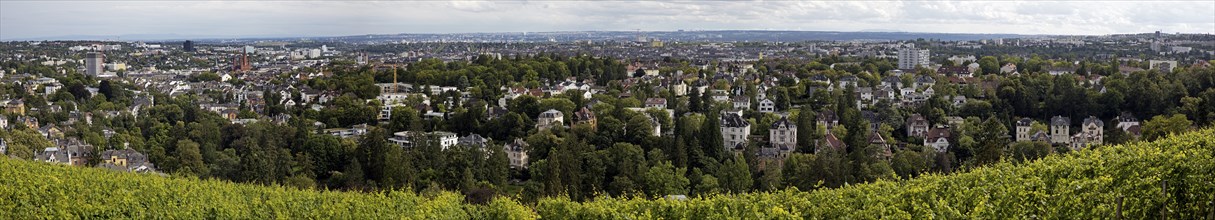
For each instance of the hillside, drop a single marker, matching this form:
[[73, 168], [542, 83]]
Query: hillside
[[1085, 184]]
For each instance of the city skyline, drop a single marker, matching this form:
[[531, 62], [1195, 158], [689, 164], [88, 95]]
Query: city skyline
[[34, 20]]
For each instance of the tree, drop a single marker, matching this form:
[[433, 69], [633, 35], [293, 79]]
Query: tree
[[1161, 126], [106, 89], [735, 175], [665, 179], [190, 158]]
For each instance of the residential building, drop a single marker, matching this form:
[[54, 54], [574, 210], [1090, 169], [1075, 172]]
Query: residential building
[[917, 126], [517, 152], [127, 160], [828, 119], [783, 134], [910, 57], [1093, 128], [1059, 126], [585, 116], [549, 119], [830, 142], [938, 138], [1023, 127], [734, 131], [742, 102], [658, 103], [94, 63], [409, 139], [767, 106]]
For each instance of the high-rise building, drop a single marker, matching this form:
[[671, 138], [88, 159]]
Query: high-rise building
[[93, 63], [241, 63], [910, 57], [188, 46]]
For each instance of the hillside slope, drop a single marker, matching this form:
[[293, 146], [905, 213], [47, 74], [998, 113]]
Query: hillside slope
[[1084, 184]]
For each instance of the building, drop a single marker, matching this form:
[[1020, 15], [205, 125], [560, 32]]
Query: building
[[94, 63], [938, 138], [741, 102], [409, 139], [188, 46], [585, 116], [1023, 127], [830, 142], [549, 119], [658, 103], [917, 126], [828, 119], [1162, 65], [473, 140], [1059, 133], [1093, 128], [241, 63], [517, 152], [734, 131], [1128, 123], [783, 134], [127, 160], [14, 107], [767, 106], [910, 57]]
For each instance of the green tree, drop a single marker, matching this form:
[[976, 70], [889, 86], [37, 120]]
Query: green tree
[[1161, 126]]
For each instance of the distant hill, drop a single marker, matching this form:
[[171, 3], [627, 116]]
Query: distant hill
[[567, 36], [1171, 178]]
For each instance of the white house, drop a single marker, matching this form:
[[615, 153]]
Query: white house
[[767, 106], [734, 130]]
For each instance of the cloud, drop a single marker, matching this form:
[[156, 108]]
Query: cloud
[[23, 19]]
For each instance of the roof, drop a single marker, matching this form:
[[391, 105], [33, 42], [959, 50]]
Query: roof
[[783, 122], [936, 133], [916, 119], [1060, 121], [1093, 120], [832, 142], [734, 121], [1025, 122]]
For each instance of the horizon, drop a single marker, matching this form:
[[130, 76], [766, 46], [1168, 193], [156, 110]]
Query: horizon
[[29, 20]]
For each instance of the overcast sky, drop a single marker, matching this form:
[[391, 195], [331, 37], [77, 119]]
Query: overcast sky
[[30, 19]]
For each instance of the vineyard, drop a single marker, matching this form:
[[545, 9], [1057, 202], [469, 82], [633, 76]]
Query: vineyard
[[1170, 178]]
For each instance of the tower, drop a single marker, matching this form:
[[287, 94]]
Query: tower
[[93, 62]]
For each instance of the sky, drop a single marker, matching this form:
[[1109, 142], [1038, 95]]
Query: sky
[[24, 19]]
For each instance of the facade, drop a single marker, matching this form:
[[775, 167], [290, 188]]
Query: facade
[[909, 58], [917, 126], [549, 119], [585, 116], [1023, 127], [517, 152], [94, 63], [767, 106], [783, 133], [127, 160], [1059, 133], [734, 131], [188, 46], [658, 103], [938, 138], [1093, 129]]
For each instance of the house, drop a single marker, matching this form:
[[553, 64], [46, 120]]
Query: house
[[585, 116], [820, 78], [1093, 128], [1009, 68], [472, 140], [938, 138], [517, 152], [657, 126], [830, 142], [549, 119], [67, 151], [848, 80], [742, 102], [954, 71], [892, 82], [924, 81], [783, 134], [1059, 126], [126, 160], [917, 126], [409, 139], [828, 119], [353, 131], [50, 131], [658, 103], [1023, 127], [1128, 123], [734, 131], [3, 122], [14, 107], [767, 106]]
